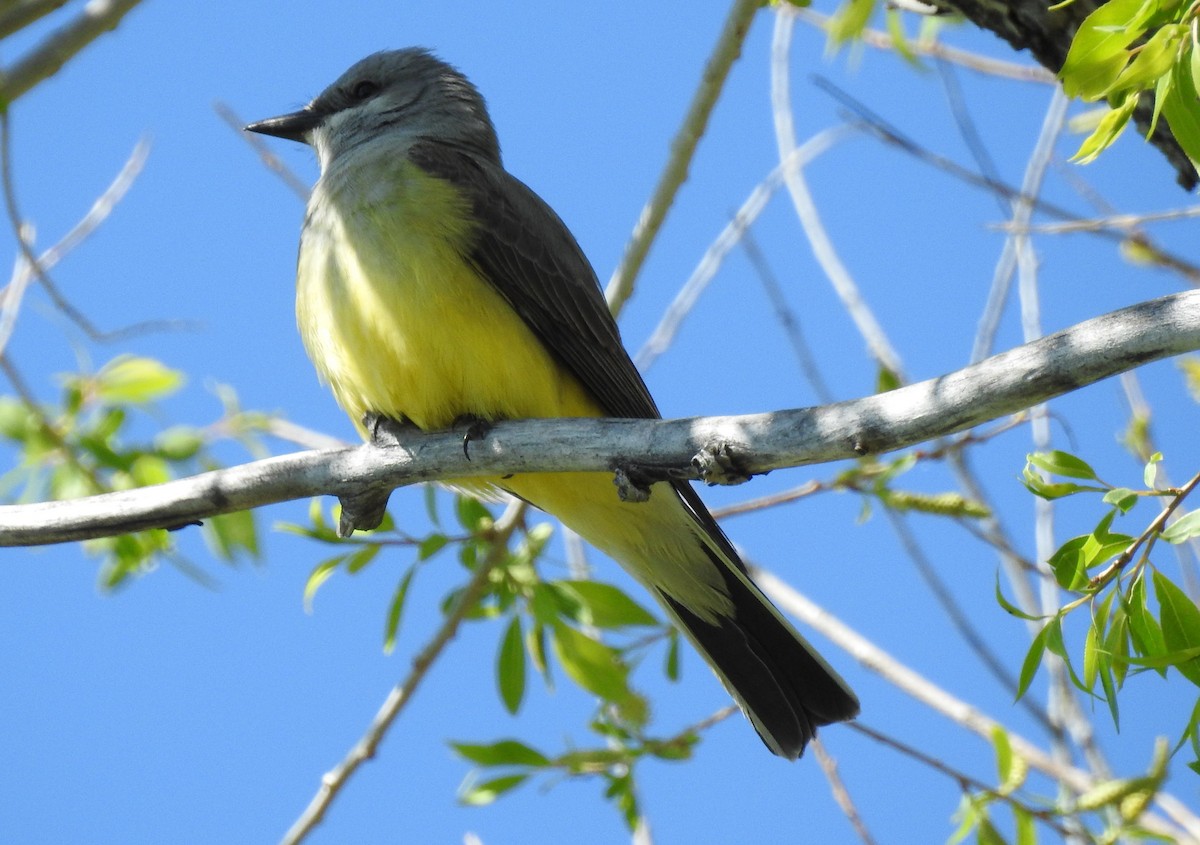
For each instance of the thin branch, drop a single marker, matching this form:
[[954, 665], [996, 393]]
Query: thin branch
[[716, 449], [272, 162], [45, 60], [966, 782], [891, 135], [33, 267], [787, 318], [683, 147], [960, 621], [925, 47], [16, 16], [335, 779], [1146, 537], [840, 794], [1109, 221], [706, 269], [823, 249]]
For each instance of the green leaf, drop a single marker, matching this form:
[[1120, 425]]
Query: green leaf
[[1026, 828], [230, 534], [1181, 107], [1183, 529], [1155, 58], [391, 627], [1102, 545], [1091, 667], [16, 420], [1144, 628], [672, 662], [431, 509], [590, 663], [1056, 646], [604, 605], [319, 576], [471, 513], [895, 28], [1062, 463], [482, 794], [178, 443], [1004, 755], [1180, 620], [849, 21], [1044, 489], [147, 470], [1012, 608], [1033, 660], [431, 545], [510, 666], [1122, 498], [1150, 473], [886, 379], [1107, 131], [361, 557], [505, 752], [137, 380], [535, 647], [1067, 562], [1098, 51]]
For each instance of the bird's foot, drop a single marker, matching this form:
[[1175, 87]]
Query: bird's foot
[[477, 429]]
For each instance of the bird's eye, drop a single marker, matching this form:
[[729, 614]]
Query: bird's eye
[[364, 89]]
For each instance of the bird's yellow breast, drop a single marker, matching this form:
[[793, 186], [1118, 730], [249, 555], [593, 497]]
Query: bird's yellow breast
[[398, 323]]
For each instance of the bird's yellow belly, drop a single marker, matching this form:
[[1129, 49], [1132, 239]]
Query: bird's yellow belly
[[398, 324]]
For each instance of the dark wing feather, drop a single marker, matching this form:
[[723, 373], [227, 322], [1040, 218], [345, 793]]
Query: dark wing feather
[[524, 250]]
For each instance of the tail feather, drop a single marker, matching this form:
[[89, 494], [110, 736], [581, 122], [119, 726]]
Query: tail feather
[[782, 685]]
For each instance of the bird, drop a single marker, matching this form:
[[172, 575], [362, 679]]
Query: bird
[[433, 286]]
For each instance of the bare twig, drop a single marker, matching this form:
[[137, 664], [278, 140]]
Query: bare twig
[[17, 15], [924, 47], [334, 780], [683, 147], [34, 267], [787, 318], [45, 60], [706, 269], [273, 163], [891, 135], [965, 781], [840, 794], [823, 249]]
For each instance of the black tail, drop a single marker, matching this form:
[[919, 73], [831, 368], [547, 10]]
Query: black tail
[[784, 687]]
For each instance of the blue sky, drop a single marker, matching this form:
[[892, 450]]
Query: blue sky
[[172, 712]]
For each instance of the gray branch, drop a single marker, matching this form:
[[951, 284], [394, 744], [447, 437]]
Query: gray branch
[[713, 449], [97, 18]]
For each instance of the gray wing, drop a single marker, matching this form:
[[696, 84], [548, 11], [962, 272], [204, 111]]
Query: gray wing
[[523, 249], [529, 255]]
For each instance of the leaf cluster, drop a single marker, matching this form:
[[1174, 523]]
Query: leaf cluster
[[1139, 619], [88, 443], [1127, 49]]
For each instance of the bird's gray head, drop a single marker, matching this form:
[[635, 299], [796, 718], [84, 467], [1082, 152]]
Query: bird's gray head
[[396, 95]]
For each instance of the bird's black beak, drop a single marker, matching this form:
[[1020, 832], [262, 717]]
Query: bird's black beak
[[293, 127]]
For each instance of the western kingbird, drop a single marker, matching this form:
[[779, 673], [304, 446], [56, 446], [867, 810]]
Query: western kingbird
[[433, 285]]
